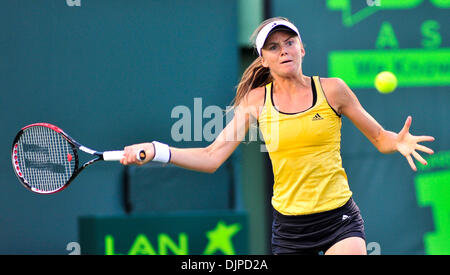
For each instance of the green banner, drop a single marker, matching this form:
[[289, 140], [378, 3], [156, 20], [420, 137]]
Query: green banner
[[413, 67], [189, 233], [433, 190]]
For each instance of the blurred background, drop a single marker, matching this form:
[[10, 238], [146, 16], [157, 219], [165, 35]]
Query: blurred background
[[114, 72]]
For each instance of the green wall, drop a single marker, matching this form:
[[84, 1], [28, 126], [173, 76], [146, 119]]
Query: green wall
[[108, 73]]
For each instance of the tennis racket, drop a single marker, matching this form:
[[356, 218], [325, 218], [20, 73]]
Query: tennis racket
[[45, 158]]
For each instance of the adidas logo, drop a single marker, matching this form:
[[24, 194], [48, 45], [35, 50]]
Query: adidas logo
[[317, 117]]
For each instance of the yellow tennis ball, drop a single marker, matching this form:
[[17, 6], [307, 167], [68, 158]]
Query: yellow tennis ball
[[385, 82]]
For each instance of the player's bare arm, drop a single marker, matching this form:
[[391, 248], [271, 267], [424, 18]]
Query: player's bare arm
[[345, 102], [209, 159]]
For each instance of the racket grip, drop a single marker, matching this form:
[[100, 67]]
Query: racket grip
[[140, 155], [118, 155], [112, 155]]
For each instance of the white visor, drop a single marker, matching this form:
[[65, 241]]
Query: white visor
[[264, 32]]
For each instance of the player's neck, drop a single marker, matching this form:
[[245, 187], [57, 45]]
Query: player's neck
[[291, 85]]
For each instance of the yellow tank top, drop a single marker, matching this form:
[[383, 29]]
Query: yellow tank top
[[304, 149]]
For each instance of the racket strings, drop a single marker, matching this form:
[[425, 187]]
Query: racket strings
[[44, 161]]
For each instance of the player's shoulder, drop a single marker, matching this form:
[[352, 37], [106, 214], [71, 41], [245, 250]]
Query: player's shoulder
[[333, 87], [255, 97], [253, 101], [337, 92], [332, 83]]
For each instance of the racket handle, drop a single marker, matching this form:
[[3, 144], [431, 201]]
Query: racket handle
[[140, 155], [118, 155], [112, 155]]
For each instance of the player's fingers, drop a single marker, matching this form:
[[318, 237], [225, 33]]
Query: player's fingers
[[424, 138], [405, 129], [424, 149], [411, 162], [419, 158], [407, 125], [131, 156], [123, 161], [126, 156]]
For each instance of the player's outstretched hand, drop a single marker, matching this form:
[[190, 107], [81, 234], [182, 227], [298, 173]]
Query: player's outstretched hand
[[407, 145]]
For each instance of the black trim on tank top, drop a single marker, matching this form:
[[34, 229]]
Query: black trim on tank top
[[314, 93], [265, 94], [326, 99]]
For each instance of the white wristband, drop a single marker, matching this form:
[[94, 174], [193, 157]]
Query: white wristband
[[162, 152]]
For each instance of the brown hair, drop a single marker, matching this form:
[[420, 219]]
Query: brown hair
[[255, 75]]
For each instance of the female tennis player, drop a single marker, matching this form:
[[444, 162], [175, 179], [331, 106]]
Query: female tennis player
[[300, 119]]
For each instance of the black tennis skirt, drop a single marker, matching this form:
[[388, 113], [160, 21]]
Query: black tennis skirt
[[315, 233]]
